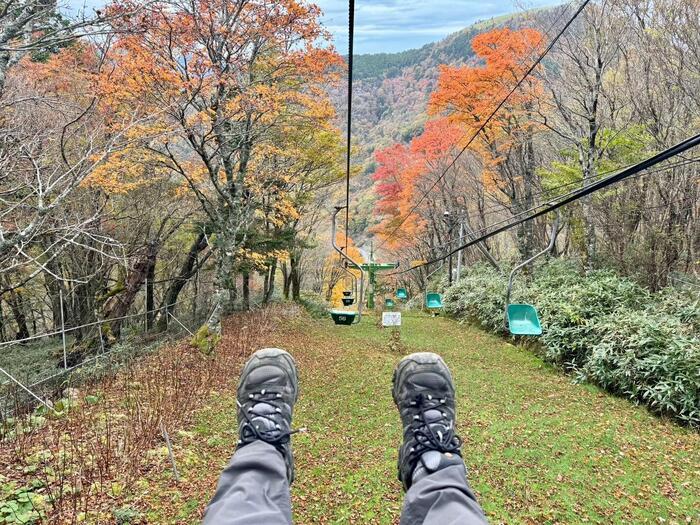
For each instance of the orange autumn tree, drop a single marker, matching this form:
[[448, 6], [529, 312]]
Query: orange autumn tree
[[412, 195], [213, 82], [467, 95], [395, 184], [337, 280]]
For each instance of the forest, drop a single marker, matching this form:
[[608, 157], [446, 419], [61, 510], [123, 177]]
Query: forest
[[168, 173]]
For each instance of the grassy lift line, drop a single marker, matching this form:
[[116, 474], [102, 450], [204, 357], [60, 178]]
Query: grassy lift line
[[522, 319]]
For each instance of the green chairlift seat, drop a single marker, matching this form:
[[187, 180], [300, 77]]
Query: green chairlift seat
[[433, 301], [523, 320], [402, 294], [347, 293], [348, 301], [343, 317], [389, 303]]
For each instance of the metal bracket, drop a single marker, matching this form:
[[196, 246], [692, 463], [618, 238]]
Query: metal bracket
[[549, 248], [346, 257]]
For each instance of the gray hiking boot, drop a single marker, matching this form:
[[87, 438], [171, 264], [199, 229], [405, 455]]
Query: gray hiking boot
[[267, 391], [425, 396]]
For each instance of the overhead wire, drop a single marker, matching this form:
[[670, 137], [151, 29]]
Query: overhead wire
[[572, 196], [685, 162], [490, 117], [351, 40]]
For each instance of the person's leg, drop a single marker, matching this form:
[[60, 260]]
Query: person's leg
[[254, 488], [430, 464]]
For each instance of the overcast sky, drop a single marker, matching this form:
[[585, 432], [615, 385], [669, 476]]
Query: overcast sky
[[396, 25]]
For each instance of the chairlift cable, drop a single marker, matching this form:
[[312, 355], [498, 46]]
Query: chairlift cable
[[574, 196], [351, 39]]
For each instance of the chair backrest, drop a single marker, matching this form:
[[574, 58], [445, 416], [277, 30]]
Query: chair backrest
[[433, 300], [401, 293]]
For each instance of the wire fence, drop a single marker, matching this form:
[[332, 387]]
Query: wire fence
[[36, 369]]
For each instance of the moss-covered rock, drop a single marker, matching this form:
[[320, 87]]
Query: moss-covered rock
[[205, 340]]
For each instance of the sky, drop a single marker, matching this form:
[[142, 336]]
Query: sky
[[388, 26]]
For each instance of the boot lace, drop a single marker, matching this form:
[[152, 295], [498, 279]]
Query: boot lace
[[272, 433], [432, 427]]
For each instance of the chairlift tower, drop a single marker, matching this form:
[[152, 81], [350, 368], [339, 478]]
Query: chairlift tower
[[373, 268]]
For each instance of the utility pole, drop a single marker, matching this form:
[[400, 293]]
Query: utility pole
[[448, 219], [459, 254]]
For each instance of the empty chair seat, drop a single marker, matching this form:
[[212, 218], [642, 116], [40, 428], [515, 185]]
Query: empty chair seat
[[433, 300], [523, 320], [343, 317]]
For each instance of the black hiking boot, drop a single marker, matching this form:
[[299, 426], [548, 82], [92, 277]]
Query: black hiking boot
[[425, 396], [267, 391]]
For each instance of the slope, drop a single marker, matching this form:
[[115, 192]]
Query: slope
[[540, 449]]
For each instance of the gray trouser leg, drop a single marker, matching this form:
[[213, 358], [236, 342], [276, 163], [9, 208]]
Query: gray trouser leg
[[253, 490], [442, 498]]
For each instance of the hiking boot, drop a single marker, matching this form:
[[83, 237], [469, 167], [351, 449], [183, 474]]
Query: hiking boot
[[267, 391], [425, 396]]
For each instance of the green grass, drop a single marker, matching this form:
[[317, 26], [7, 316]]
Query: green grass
[[539, 448]]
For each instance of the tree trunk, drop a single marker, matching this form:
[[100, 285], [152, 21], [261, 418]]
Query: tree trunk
[[119, 305], [246, 290], [2, 323], [17, 307], [222, 283], [270, 278], [54, 287], [295, 277], [150, 300], [589, 173], [286, 281], [187, 270]]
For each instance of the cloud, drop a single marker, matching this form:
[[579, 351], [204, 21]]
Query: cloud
[[396, 25]]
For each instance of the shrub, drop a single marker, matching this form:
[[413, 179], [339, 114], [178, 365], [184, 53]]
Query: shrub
[[314, 304], [646, 357], [605, 328], [479, 297], [569, 303]]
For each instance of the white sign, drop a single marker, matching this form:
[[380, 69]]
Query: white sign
[[391, 318]]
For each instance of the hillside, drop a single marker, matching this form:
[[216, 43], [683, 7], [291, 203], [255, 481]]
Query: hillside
[[391, 91]]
